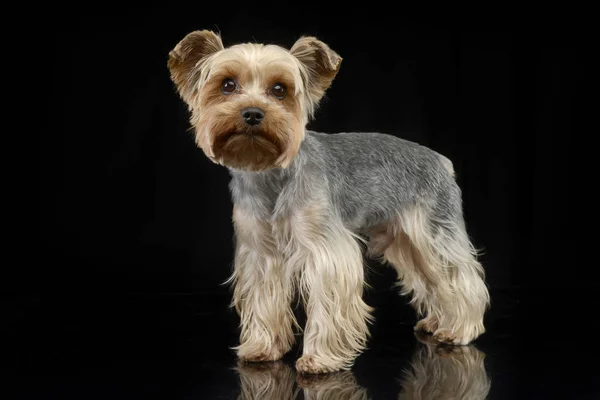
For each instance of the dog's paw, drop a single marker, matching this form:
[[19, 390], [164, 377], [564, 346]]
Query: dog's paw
[[306, 380], [448, 337], [444, 350], [428, 324], [249, 353], [271, 367], [309, 364], [261, 356]]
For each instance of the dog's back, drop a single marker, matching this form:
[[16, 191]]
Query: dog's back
[[375, 175]]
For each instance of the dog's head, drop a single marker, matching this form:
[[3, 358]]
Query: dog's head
[[250, 102]]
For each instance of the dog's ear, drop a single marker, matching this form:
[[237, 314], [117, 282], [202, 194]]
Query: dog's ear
[[185, 57], [321, 65]]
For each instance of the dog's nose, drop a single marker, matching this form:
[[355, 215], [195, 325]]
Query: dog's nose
[[252, 115]]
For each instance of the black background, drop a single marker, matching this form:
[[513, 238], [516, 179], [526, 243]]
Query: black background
[[135, 232]]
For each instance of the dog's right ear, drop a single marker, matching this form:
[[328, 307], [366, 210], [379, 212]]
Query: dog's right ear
[[185, 58]]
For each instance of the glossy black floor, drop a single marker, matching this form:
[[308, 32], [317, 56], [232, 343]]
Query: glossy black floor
[[101, 340]]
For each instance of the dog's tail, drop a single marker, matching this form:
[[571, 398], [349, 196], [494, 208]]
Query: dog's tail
[[447, 164]]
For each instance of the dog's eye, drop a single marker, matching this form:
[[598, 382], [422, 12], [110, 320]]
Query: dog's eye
[[279, 91], [228, 86]]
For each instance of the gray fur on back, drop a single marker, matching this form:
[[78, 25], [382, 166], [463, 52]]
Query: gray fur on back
[[366, 178]]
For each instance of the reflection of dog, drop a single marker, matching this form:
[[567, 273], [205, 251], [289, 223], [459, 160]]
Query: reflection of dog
[[435, 372], [276, 381], [303, 201], [333, 386], [445, 372], [266, 381]]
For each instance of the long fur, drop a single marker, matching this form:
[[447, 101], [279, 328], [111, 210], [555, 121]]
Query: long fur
[[266, 381], [438, 372], [305, 202], [262, 292], [438, 268], [321, 207], [331, 280], [434, 372], [277, 381]]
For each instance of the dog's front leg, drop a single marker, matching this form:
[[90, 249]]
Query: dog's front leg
[[331, 271], [262, 293]]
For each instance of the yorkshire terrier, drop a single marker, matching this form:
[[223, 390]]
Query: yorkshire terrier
[[306, 204]]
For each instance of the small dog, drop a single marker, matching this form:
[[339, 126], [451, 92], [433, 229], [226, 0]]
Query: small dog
[[305, 203]]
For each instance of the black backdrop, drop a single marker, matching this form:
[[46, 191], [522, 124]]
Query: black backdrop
[[125, 189], [128, 204]]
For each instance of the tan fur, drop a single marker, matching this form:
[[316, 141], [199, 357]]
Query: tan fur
[[438, 372], [184, 58], [199, 64], [334, 386], [435, 372], [441, 276], [309, 250], [266, 381], [331, 285], [277, 381], [324, 262], [262, 291], [304, 250], [320, 66]]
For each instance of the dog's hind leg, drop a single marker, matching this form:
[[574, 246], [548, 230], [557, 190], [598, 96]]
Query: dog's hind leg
[[437, 266]]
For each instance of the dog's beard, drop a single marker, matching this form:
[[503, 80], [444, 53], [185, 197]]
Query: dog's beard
[[227, 140], [249, 149]]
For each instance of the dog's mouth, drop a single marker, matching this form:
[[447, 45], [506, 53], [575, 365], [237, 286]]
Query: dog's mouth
[[250, 137], [247, 149], [248, 133]]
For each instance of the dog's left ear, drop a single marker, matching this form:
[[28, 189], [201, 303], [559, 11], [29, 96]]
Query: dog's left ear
[[321, 65], [184, 60]]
